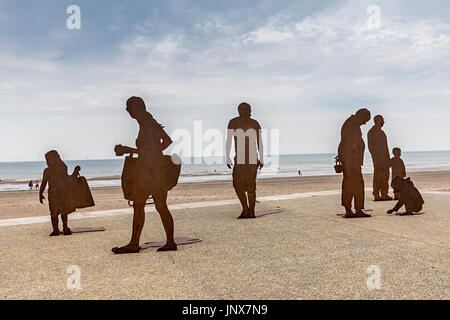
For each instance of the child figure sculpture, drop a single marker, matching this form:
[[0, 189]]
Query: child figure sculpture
[[60, 195], [409, 196], [397, 167]]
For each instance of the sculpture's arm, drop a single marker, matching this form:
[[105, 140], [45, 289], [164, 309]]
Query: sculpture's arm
[[120, 150], [43, 186], [166, 140], [260, 149], [230, 133], [397, 207]]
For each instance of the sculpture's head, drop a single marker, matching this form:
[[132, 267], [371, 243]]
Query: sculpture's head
[[379, 121], [397, 183], [245, 110], [52, 158], [397, 152], [362, 115], [135, 107]]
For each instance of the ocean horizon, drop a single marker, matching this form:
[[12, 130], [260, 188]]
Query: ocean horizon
[[106, 172]]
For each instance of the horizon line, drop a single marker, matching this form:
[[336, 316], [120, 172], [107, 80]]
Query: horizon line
[[269, 155]]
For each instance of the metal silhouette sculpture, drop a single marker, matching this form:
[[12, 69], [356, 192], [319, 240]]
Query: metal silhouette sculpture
[[350, 159], [150, 174], [378, 148], [397, 167], [247, 143], [409, 196], [65, 193]]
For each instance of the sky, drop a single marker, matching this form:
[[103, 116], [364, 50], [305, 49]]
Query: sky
[[304, 66]]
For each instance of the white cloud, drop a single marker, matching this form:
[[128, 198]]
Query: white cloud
[[268, 34]]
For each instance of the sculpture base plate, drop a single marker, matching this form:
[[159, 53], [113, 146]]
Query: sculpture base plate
[[364, 210], [355, 217], [86, 229], [178, 240], [414, 214], [263, 213]]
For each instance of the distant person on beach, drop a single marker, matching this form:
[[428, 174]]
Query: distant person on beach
[[151, 178], [378, 148], [300, 173], [30, 185], [409, 196], [37, 184], [351, 155], [247, 144], [60, 197], [397, 167]]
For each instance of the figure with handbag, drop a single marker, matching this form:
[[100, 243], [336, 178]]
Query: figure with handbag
[[150, 174], [65, 193]]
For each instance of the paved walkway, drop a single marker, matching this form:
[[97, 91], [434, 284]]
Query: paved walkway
[[305, 252]]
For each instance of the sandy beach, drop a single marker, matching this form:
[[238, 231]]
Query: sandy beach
[[14, 204], [305, 252]]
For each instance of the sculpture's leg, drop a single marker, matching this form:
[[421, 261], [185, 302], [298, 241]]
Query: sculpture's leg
[[346, 194], [251, 203], [55, 226], [138, 224], [239, 188], [359, 194], [384, 183], [243, 200], [410, 209], [251, 189], [167, 220], [376, 183], [66, 230]]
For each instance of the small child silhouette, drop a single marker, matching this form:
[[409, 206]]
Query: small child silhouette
[[397, 167], [60, 196], [408, 196]]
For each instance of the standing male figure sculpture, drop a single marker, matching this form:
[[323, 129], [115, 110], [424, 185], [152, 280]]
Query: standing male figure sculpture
[[351, 155], [378, 148], [247, 144]]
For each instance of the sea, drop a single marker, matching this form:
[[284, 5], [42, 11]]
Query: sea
[[102, 173]]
